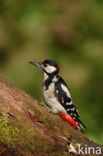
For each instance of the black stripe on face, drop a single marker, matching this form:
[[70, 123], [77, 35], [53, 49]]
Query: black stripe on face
[[47, 83]]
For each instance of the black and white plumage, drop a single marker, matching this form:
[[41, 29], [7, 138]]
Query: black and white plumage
[[64, 97], [57, 95]]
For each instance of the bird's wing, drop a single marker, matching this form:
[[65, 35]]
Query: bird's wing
[[63, 95]]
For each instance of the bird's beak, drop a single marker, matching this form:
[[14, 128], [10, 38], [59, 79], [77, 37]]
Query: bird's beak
[[36, 64]]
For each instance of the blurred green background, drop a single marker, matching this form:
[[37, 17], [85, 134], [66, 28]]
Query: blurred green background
[[69, 32]]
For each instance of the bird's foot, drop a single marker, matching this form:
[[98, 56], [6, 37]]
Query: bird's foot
[[48, 108], [42, 104]]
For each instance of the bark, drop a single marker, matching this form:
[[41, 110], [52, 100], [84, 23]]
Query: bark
[[53, 136]]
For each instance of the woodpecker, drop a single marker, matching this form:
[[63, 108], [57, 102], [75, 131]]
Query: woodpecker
[[57, 95]]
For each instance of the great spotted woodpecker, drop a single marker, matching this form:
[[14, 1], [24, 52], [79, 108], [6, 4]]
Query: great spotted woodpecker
[[56, 94]]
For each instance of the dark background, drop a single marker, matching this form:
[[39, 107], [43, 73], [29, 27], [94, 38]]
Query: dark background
[[69, 32]]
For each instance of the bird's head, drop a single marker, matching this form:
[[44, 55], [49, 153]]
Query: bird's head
[[48, 66]]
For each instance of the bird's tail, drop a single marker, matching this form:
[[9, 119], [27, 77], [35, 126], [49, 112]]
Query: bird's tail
[[80, 125]]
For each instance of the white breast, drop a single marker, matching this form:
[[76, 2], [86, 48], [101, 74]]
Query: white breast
[[51, 100]]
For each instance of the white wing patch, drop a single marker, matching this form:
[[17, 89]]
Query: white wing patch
[[65, 89], [69, 103]]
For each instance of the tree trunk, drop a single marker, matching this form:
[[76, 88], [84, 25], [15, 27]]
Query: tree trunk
[[28, 129]]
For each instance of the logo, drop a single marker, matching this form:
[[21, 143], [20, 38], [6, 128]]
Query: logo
[[72, 149], [84, 149]]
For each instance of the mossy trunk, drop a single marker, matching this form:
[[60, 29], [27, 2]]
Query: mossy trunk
[[28, 129]]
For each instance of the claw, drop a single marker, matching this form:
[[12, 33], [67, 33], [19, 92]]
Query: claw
[[42, 104], [49, 109]]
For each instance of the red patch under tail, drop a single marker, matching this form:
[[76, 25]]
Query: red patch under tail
[[69, 119]]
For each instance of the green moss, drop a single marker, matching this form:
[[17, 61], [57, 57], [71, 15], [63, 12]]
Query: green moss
[[15, 135]]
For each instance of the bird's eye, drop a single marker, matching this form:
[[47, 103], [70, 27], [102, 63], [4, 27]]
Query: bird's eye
[[45, 65]]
